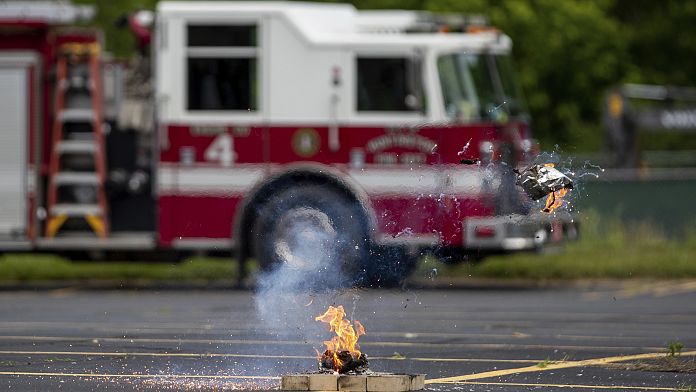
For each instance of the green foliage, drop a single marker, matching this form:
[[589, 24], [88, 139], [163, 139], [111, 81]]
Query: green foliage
[[398, 355], [569, 53], [674, 348], [36, 267], [545, 363], [565, 61], [661, 50], [119, 41], [607, 248]]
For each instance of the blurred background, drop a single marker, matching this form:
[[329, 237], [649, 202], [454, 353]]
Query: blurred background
[[569, 56], [638, 216]]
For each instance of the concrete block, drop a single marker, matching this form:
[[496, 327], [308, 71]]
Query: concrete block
[[323, 382], [417, 382], [352, 383], [389, 383], [374, 382], [294, 382]]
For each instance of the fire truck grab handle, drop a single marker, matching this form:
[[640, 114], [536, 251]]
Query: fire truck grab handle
[[334, 143]]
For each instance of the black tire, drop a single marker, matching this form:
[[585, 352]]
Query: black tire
[[389, 266], [316, 233]]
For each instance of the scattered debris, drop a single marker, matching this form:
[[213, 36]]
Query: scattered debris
[[398, 355], [407, 232], [668, 364], [469, 161], [466, 147]]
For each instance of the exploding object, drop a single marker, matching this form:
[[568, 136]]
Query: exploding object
[[545, 180], [541, 180], [342, 354]]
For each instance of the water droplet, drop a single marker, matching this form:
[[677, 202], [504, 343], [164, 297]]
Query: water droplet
[[497, 107], [407, 232], [433, 274], [466, 147]]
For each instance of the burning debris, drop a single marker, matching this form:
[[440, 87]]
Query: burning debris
[[342, 367], [342, 362], [544, 180], [554, 200], [342, 354]]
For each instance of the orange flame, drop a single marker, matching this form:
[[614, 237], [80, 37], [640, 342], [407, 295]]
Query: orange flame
[[554, 200], [346, 338]]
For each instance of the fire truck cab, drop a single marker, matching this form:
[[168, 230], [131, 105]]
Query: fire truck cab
[[281, 128]]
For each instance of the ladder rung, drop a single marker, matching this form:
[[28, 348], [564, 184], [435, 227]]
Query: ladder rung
[[76, 178], [76, 209], [80, 48], [76, 115], [76, 147], [77, 83]]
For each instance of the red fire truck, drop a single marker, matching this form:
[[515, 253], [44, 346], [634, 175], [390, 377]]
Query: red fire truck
[[269, 128]]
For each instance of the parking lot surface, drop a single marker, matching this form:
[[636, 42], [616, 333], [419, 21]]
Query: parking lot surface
[[463, 340]]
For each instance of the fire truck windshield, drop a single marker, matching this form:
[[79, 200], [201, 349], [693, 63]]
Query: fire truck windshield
[[479, 87]]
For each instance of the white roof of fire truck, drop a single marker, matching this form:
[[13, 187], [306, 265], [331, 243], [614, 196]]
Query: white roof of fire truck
[[307, 42], [343, 24]]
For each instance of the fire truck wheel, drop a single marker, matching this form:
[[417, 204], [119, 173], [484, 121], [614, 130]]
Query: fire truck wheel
[[389, 266], [311, 237]]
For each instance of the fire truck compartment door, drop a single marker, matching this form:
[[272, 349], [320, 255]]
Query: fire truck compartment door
[[14, 125]]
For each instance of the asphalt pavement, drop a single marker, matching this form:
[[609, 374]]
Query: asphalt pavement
[[463, 340]]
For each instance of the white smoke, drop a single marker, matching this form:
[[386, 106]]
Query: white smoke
[[291, 295]]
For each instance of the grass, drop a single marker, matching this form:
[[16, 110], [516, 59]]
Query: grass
[[545, 363], [608, 248], [33, 267], [398, 355], [674, 348]]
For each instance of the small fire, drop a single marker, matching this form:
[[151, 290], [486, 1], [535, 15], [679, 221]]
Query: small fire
[[555, 199], [343, 347]]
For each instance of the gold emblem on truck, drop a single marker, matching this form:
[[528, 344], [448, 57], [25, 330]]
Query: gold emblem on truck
[[305, 142]]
